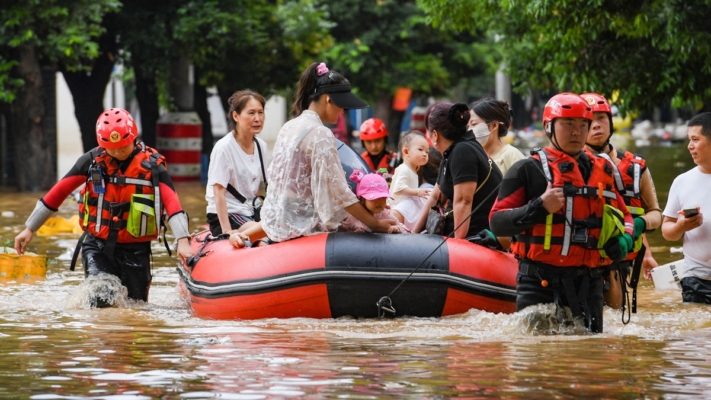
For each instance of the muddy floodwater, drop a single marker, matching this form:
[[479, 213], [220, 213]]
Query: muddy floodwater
[[54, 347]]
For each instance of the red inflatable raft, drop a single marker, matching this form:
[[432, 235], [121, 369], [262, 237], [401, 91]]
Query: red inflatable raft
[[346, 274]]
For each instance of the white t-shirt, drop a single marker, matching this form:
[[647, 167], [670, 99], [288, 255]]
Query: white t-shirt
[[691, 189], [403, 178], [505, 158], [229, 164]]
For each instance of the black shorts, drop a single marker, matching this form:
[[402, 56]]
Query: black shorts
[[695, 290], [131, 263], [236, 221]]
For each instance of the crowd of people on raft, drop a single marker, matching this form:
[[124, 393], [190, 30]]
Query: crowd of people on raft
[[574, 213]]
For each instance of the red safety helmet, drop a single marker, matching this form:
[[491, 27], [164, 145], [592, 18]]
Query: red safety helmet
[[115, 128], [597, 102], [567, 105], [373, 129]]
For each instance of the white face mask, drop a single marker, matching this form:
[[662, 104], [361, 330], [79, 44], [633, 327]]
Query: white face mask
[[481, 132]]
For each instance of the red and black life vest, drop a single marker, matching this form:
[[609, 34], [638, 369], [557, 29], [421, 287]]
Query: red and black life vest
[[628, 174], [385, 161], [569, 237], [105, 215]]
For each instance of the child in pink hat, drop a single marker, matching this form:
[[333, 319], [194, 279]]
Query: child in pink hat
[[373, 192]]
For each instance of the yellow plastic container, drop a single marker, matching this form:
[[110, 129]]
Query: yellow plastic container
[[26, 266], [58, 225]]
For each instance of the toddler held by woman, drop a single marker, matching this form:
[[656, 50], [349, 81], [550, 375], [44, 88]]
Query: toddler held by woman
[[408, 197], [372, 192]]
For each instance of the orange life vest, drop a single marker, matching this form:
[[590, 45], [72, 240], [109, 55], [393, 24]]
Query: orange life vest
[[384, 162], [124, 192], [569, 237], [628, 174]]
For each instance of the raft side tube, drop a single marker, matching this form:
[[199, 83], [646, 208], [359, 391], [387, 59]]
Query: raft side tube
[[357, 269]]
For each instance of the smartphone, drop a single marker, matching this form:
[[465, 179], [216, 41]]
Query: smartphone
[[690, 212]]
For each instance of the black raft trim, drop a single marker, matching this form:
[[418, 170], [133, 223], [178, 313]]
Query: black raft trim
[[319, 276]]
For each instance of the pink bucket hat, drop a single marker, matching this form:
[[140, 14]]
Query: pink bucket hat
[[370, 186]]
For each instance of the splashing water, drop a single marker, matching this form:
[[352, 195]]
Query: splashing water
[[102, 290]]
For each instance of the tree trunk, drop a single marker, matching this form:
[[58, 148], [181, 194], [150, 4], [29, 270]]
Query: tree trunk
[[88, 94], [200, 103], [224, 94], [7, 146], [88, 88], [33, 155], [147, 96]]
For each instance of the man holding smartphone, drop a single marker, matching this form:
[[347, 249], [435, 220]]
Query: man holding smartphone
[[689, 196]]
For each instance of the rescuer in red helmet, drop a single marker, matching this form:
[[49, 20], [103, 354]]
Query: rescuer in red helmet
[[565, 215], [126, 194], [636, 186], [374, 134]]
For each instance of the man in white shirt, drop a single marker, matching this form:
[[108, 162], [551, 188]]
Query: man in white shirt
[[689, 196]]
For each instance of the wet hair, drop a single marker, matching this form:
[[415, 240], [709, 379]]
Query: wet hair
[[704, 121], [238, 101], [429, 172], [409, 137], [492, 110], [449, 120], [308, 83]]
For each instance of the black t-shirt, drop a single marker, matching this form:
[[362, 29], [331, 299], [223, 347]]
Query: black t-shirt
[[466, 161]]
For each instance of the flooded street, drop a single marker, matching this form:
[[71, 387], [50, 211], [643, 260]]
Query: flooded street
[[53, 347]]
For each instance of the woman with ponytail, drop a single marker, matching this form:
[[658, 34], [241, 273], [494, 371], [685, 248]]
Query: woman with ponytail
[[466, 174], [308, 193]]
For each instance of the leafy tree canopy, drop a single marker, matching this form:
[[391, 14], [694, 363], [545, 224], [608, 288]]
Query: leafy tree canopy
[[60, 31], [385, 44], [650, 51]]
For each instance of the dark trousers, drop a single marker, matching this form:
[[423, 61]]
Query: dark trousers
[[695, 290], [131, 263], [584, 283], [236, 221]]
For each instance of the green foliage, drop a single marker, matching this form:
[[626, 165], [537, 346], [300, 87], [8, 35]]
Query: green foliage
[[305, 29], [8, 84], [385, 44], [233, 44], [649, 51], [61, 31]]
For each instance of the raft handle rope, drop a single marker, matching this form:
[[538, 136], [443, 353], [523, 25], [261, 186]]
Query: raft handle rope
[[385, 304], [192, 261]]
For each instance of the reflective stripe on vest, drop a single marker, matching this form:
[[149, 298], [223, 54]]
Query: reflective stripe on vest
[[636, 211], [99, 210], [549, 233], [616, 172]]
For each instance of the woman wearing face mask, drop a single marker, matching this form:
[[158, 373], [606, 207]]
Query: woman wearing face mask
[[490, 121]]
